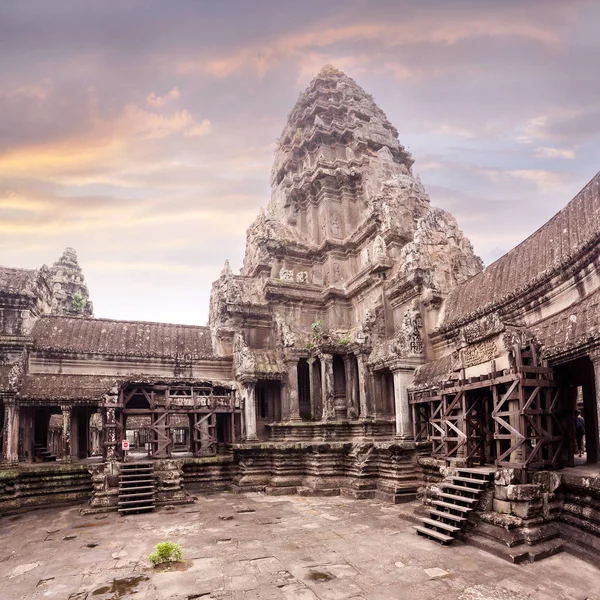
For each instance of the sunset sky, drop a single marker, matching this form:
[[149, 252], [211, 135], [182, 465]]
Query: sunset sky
[[141, 132]]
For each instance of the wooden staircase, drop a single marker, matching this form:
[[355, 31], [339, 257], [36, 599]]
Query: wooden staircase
[[459, 497], [136, 487]]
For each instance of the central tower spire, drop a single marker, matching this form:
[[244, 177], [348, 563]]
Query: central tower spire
[[330, 157]]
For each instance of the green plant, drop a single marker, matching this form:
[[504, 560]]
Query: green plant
[[166, 552], [310, 346], [78, 303], [345, 340], [317, 329]]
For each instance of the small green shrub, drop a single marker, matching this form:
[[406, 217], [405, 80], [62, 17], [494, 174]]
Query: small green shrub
[[78, 303], [166, 552], [317, 329], [345, 340], [310, 346]]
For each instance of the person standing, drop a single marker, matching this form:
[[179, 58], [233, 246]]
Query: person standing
[[579, 430]]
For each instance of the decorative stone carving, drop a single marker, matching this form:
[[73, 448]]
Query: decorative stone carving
[[409, 340], [244, 360], [337, 272], [336, 230], [16, 373], [286, 336], [286, 275], [364, 257], [302, 277], [379, 249]]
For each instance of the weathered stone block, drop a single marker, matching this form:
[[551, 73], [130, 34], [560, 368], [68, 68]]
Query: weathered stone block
[[526, 509], [501, 492], [507, 476], [502, 506], [548, 480], [524, 492]]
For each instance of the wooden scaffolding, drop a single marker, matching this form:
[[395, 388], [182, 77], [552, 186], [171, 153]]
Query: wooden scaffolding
[[513, 418]]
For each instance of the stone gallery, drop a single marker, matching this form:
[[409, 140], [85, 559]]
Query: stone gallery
[[362, 351]]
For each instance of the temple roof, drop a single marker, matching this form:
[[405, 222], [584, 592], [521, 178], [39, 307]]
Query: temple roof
[[17, 281], [44, 386], [334, 112], [122, 338], [574, 327], [549, 250], [433, 372]]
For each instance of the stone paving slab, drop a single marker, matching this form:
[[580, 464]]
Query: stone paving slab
[[284, 548]]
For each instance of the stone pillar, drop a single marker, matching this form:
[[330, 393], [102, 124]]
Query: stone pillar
[[66, 431], [27, 427], [10, 450], [327, 385], [402, 380], [596, 366], [75, 433], [350, 373], [311, 386], [292, 386], [363, 386], [110, 434], [250, 410]]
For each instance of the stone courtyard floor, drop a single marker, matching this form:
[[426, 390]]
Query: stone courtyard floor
[[265, 548]]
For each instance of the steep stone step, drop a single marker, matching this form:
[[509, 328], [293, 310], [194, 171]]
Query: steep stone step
[[440, 524], [479, 483], [483, 474], [462, 509], [137, 509], [136, 488], [461, 488], [462, 499], [447, 515], [432, 533]]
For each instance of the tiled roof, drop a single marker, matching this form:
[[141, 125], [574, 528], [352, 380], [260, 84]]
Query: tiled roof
[[122, 338], [433, 372], [16, 281], [43, 386], [576, 326], [572, 230]]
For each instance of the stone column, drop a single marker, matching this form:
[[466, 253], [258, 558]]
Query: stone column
[[327, 385], [66, 431], [350, 386], [10, 450], [363, 386], [110, 434], [292, 388], [402, 380], [596, 365], [250, 411], [311, 386]]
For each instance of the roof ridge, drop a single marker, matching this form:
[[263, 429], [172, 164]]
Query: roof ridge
[[137, 322]]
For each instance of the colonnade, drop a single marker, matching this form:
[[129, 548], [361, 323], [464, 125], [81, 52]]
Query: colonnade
[[354, 393]]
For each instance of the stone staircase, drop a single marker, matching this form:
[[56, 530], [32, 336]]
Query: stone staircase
[[137, 487], [41, 453], [449, 514]]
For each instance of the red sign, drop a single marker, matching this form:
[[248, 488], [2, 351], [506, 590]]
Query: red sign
[[125, 444]]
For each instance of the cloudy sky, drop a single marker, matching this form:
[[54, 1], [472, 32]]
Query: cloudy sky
[[141, 132]]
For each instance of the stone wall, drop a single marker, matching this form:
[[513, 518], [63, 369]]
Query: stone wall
[[44, 487]]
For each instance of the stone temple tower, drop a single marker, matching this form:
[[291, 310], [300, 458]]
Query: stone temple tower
[[345, 271], [70, 295]]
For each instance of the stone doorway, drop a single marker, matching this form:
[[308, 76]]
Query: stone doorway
[[579, 394], [304, 396]]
